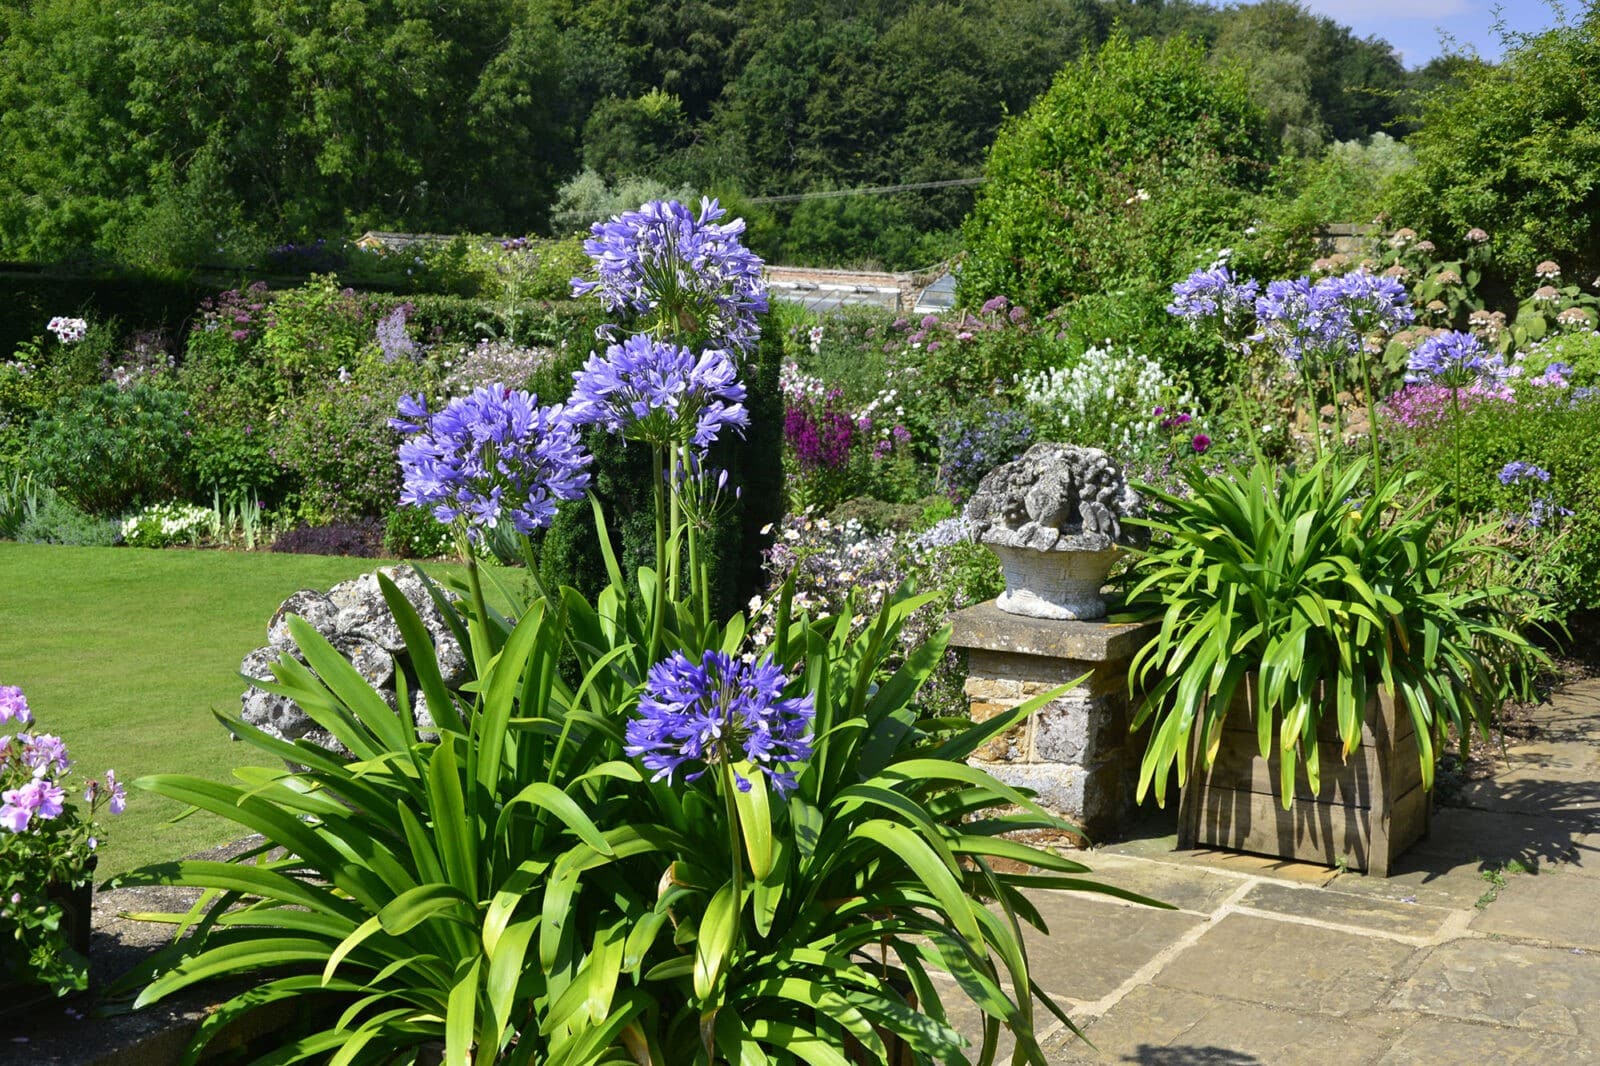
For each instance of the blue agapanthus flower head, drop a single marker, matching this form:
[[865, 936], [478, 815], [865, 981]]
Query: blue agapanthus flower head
[[1302, 319], [660, 393], [1518, 471], [720, 710], [691, 274], [1210, 292], [1367, 302], [494, 455], [1455, 360]]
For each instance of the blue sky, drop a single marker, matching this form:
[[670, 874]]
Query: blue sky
[[1413, 26]]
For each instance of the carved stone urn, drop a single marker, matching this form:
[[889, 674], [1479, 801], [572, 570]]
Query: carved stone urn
[[1054, 518]]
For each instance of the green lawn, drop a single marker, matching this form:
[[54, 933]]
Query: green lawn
[[125, 653]]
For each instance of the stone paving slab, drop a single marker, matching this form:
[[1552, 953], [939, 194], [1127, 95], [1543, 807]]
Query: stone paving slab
[[1556, 906], [1560, 792], [1193, 888], [1491, 839], [1549, 989], [1094, 945], [1348, 909], [1431, 1041], [1274, 962], [1585, 855], [1288, 965], [1171, 1028], [1428, 882]]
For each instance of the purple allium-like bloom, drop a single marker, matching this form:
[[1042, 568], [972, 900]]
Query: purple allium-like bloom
[[718, 711], [994, 305], [657, 392], [1554, 376], [662, 258], [488, 456], [14, 705], [1208, 293], [703, 491], [1517, 471], [1454, 360], [1543, 509], [41, 798], [393, 340], [1200, 443]]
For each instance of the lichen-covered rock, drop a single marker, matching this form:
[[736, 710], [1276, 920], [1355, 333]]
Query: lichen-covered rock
[[1056, 497], [355, 619], [309, 604], [372, 662], [274, 715]]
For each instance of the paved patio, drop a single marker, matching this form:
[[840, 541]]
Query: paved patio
[[1484, 946]]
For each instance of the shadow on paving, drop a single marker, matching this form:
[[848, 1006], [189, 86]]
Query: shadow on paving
[[1146, 1055]]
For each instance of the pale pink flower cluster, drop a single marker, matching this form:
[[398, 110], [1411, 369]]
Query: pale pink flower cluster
[[1424, 408]]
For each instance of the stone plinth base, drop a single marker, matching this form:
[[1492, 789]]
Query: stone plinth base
[[1075, 751]]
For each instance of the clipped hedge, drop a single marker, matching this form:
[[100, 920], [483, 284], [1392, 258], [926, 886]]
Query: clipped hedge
[[30, 298]]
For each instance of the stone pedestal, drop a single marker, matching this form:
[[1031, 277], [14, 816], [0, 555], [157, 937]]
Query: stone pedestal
[[1075, 751]]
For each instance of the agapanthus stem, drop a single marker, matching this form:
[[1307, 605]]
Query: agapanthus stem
[[1455, 449], [1372, 420], [1250, 433], [1314, 413], [532, 563], [736, 848], [658, 623], [478, 625], [676, 518]]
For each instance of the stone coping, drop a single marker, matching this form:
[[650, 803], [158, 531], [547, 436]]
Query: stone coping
[[987, 627]]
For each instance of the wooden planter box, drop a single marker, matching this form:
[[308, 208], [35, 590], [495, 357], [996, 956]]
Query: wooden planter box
[[1367, 812]]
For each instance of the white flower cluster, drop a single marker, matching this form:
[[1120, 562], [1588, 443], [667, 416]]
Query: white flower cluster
[[830, 562], [796, 384], [885, 412], [68, 330], [492, 361], [1106, 399], [169, 523]]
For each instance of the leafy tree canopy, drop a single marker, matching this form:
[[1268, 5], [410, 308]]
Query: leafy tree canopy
[[1514, 149], [1135, 155]]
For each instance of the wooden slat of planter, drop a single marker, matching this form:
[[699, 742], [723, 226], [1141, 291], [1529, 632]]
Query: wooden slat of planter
[[1241, 720], [1326, 833], [1367, 812], [1241, 766]]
